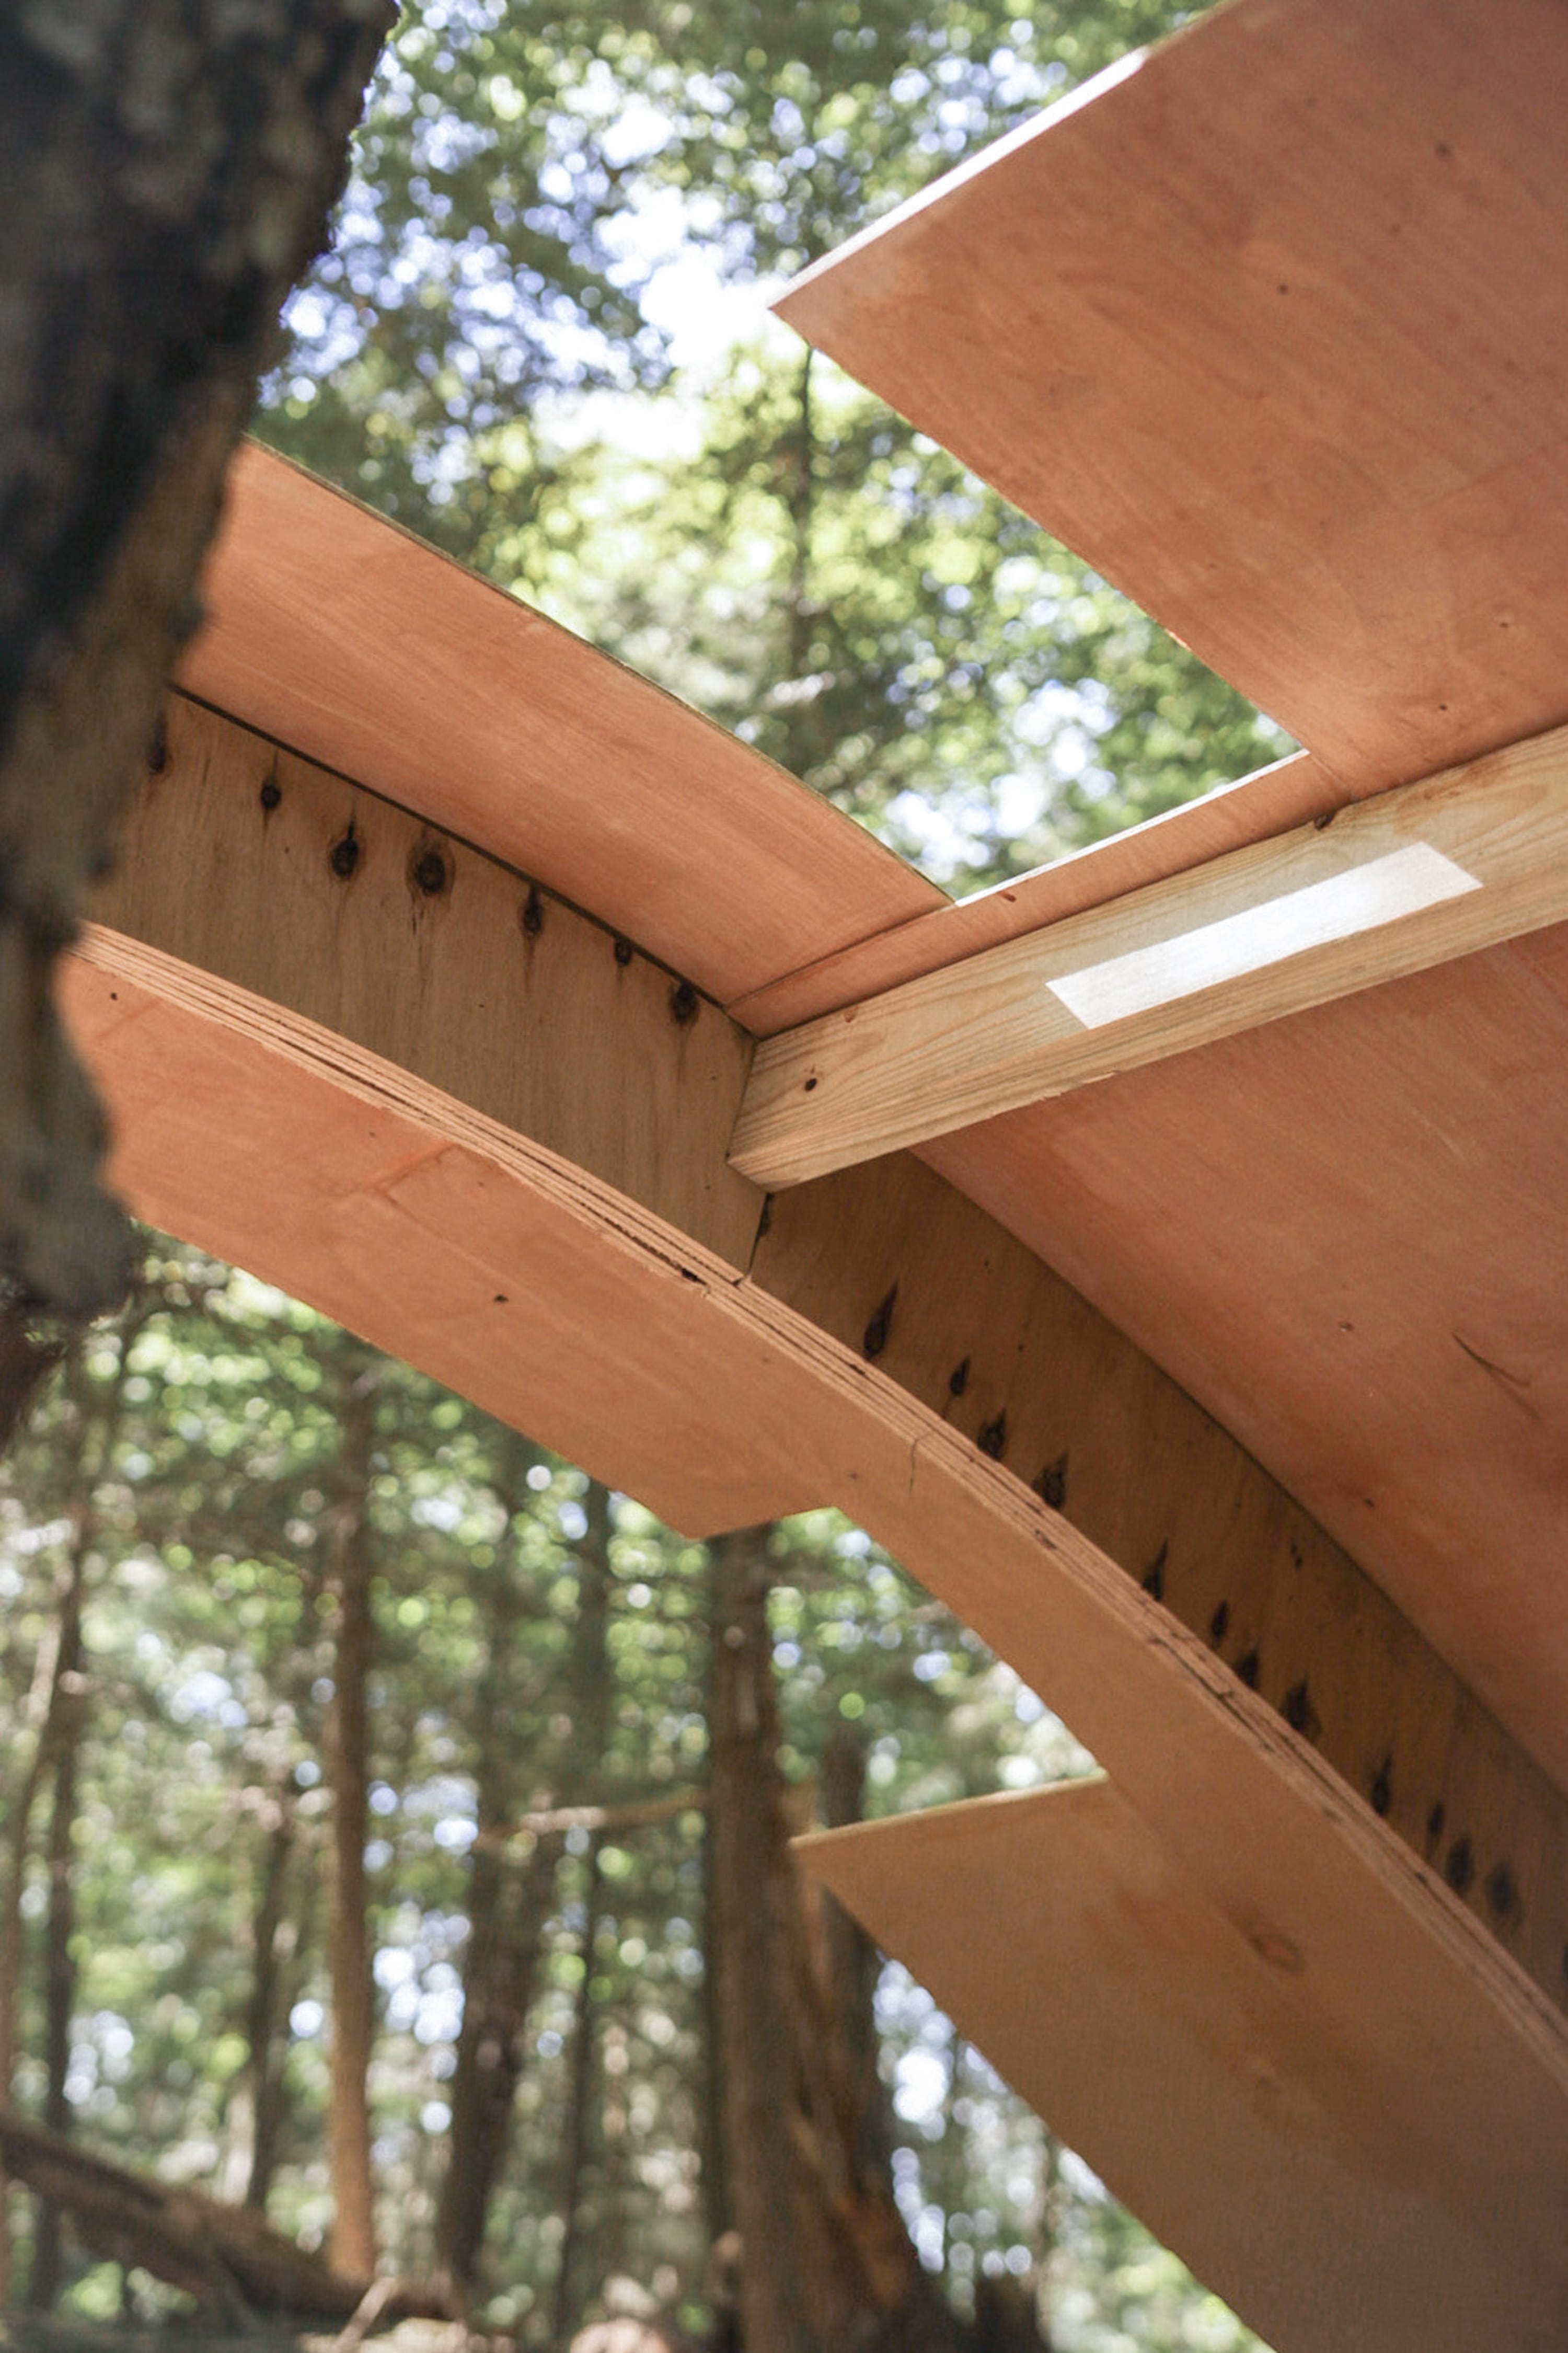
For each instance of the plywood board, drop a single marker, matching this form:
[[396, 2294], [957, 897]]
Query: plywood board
[[250, 870], [1345, 1236], [563, 1304], [354, 643], [1309, 2171], [1272, 327]]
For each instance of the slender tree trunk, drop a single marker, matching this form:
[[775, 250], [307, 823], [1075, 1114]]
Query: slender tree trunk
[[263, 2074], [505, 1931], [53, 1704], [507, 1910], [165, 173], [852, 1966], [566, 2304], [749, 1942], [826, 2264], [353, 2217], [59, 1977]]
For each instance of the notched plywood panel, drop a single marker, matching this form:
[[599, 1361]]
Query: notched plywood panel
[[334, 631]]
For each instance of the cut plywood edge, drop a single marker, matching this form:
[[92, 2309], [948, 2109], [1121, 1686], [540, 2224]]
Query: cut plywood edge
[[1389, 887], [1339, 2186]]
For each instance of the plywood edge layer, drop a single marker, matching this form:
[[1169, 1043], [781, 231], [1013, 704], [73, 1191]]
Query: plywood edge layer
[[1389, 886]]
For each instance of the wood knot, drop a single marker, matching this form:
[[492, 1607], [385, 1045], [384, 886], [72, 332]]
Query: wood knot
[[343, 856], [875, 1337], [684, 1003], [429, 873], [532, 918], [1051, 1486], [993, 1438], [272, 795]]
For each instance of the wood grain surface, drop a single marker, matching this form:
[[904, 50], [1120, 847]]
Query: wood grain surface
[[349, 640], [1412, 878], [1323, 2168], [1273, 330]]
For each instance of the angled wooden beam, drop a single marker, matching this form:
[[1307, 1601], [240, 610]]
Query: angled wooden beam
[[1164, 2042], [1387, 887]]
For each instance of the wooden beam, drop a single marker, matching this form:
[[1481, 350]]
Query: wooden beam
[[240, 922], [1293, 2163], [1389, 886]]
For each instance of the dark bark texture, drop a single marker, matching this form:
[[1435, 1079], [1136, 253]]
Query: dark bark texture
[[166, 170]]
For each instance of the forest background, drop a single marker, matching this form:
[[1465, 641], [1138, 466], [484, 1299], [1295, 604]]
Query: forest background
[[314, 1680]]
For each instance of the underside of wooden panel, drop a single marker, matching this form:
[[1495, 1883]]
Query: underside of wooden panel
[[1344, 1235], [1259, 2132], [244, 859], [1273, 330], [897, 1264]]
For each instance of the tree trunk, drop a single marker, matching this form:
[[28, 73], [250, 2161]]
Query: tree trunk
[[852, 1966], [749, 1940], [60, 1972], [52, 1704], [348, 1748], [166, 168], [566, 2304], [505, 1922], [826, 2264], [263, 2074], [506, 1927]]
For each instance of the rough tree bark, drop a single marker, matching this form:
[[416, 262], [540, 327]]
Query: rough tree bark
[[348, 1750], [166, 170]]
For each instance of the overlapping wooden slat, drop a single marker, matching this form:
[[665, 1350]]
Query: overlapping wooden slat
[[1273, 329], [508, 1262], [1358, 2174]]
